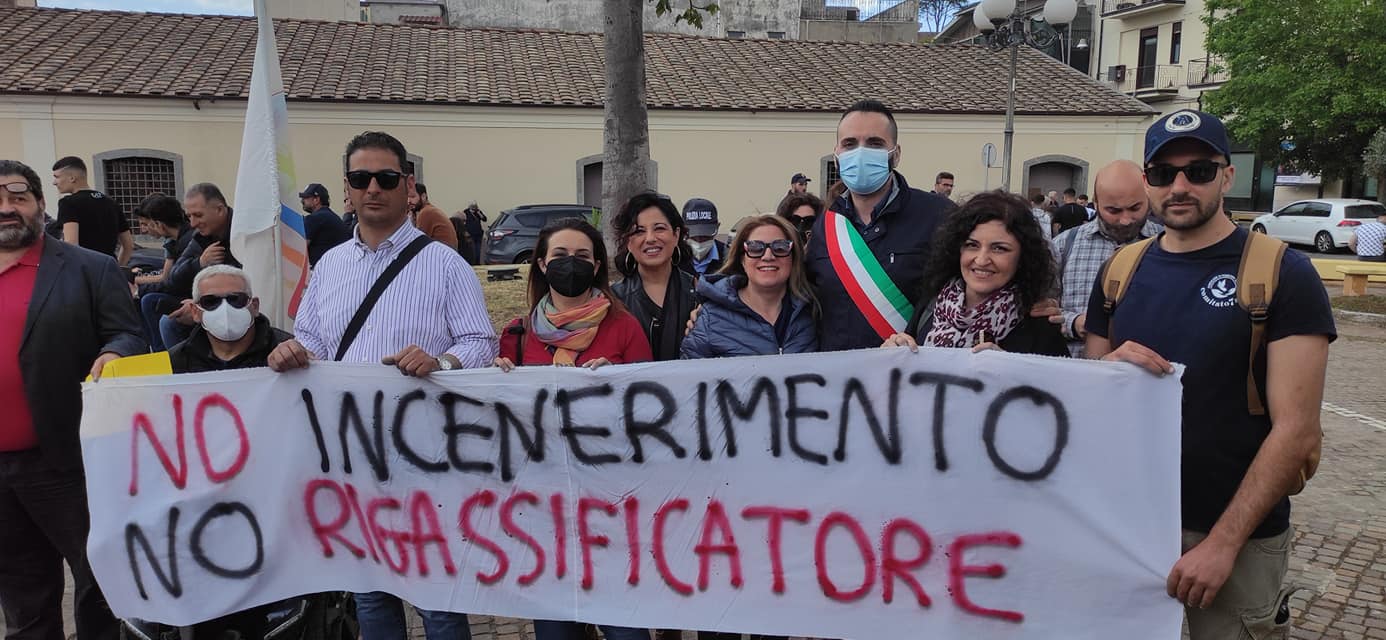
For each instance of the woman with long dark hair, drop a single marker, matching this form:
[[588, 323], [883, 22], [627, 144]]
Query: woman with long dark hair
[[651, 242], [574, 318], [989, 265], [800, 209]]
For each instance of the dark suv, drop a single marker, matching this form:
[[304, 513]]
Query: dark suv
[[511, 238]]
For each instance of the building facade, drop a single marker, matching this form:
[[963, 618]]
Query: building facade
[[1154, 50], [511, 117]]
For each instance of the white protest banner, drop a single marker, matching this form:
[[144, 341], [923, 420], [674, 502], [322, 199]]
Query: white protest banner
[[870, 494]]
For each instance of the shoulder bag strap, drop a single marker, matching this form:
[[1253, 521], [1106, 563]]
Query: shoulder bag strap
[[381, 284]]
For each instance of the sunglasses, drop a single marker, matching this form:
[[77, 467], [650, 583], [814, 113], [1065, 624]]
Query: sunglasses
[[210, 302], [1200, 172], [18, 188], [361, 179], [778, 248]]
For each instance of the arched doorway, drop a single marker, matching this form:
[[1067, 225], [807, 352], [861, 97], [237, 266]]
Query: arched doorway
[[1054, 173], [589, 179]]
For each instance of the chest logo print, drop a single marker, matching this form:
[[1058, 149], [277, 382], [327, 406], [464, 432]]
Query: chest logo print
[[1221, 291]]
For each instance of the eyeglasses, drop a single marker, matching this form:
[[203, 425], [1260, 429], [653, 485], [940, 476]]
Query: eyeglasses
[[18, 188], [1199, 172], [387, 179], [210, 301], [778, 248]]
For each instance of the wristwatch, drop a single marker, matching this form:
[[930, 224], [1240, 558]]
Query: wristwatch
[[444, 364]]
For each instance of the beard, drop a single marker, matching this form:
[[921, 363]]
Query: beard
[[1123, 233], [1200, 216], [21, 236]]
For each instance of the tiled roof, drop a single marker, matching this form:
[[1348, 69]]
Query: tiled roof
[[72, 52]]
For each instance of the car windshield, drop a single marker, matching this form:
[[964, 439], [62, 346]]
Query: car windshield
[[1363, 211]]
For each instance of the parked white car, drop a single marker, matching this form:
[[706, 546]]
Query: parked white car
[[1325, 223]]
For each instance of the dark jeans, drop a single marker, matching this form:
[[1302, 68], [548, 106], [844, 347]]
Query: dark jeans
[[556, 630], [153, 307], [172, 333], [43, 521], [381, 617]]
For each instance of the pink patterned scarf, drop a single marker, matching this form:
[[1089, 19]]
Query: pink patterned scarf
[[954, 325]]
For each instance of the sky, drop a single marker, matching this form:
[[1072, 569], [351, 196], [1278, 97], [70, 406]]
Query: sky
[[228, 7]]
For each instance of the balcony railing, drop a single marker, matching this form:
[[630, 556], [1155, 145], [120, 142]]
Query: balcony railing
[[1136, 7], [1153, 83], [859, 10], [1206, 71]]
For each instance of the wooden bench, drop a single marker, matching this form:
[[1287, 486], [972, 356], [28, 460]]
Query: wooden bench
[[502, 274], [1355, 276]]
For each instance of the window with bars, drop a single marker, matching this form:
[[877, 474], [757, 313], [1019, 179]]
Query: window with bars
[[131, 179], [830, 175]]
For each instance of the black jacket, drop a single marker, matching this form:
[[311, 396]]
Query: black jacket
[[179, 281], [180, 246], [1033, 335], [80, 308], [195, 355], [631, 292], [899, 236]]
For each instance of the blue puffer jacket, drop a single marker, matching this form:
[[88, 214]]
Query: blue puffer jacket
[[726, 327]]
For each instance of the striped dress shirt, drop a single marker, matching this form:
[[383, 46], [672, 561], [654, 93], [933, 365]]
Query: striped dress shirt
[[1081, 252], [434, 303]]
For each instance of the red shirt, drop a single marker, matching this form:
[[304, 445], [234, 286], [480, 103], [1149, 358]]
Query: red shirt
[[16, 288], [619, 339]]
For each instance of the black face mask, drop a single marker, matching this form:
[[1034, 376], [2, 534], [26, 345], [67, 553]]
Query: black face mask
[[570, 276], [803, 224]]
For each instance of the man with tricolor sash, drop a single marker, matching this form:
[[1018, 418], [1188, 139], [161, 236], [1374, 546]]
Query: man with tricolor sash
[[867, 254]]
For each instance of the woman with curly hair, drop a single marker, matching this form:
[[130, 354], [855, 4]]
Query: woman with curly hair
[[989, 265]]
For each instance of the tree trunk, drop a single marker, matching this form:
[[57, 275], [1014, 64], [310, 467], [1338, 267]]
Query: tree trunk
[[626, 134]]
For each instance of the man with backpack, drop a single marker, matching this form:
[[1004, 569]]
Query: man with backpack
[[1251, 322]]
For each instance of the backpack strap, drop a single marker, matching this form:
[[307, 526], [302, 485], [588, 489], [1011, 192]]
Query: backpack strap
[[1256, 279], [1116, 276]]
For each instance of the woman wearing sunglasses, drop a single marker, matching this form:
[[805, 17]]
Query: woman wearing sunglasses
[[760, 303], [651, 243], [989, 265], [574, 319]]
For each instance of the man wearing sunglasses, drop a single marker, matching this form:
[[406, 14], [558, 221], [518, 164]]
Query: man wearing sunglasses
[[430, 317], [231, 333], [65, 312], [1243, 448]]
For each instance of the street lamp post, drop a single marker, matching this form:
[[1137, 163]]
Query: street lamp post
[[1004, 27]]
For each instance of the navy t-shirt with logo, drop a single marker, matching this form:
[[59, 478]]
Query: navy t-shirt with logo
[[1184, 307]]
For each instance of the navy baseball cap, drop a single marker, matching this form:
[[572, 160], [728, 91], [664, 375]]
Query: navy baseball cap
[[799, 178], [314, 190], [1187, 123], [701, 217]]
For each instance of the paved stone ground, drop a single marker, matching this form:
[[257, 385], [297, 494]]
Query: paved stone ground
[[1339, 556]]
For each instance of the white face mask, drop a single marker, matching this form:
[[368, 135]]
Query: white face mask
[[227, 323], [701, 249]]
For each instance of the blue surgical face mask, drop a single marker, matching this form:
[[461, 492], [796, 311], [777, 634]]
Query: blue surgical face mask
[[864, 169]]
